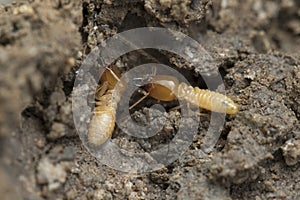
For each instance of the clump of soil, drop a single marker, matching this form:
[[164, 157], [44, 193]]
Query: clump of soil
[[255, 45]]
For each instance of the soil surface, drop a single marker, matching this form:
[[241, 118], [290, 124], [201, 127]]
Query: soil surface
[[256, 45]]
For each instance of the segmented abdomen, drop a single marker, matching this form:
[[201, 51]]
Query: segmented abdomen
[[206, 99], [103, 121]]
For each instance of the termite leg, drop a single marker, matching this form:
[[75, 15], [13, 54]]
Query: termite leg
[[175, 108], [203, 114], [146, 94], [101, 89], [198, 113]]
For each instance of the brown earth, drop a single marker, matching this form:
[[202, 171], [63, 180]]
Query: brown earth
[[256, 45]]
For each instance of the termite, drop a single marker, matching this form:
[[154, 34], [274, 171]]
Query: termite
[[107, 97], [162, 87], [168, 88]]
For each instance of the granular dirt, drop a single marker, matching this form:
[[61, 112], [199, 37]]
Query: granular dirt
[[256, 47]]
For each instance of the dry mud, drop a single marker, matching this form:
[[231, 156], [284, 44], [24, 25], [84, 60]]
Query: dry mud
[[256, 46]]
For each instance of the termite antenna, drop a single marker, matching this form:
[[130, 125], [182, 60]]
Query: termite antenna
[[113, 73], [154, 71], [138, 82], [146, 94]]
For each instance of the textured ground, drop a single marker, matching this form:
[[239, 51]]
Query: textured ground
[[256, 46]]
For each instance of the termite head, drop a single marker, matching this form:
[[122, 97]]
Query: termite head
[[111, 76], [162, 87]]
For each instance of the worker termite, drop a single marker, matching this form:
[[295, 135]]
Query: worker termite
[[167, 88], [107, 97]]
